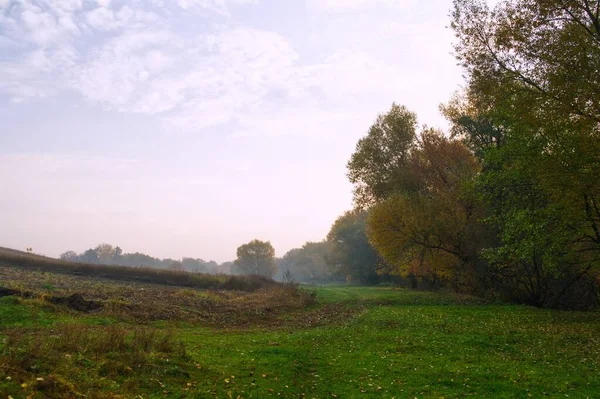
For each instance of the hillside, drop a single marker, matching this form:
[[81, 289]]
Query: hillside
[[32, 262], [8, 252]]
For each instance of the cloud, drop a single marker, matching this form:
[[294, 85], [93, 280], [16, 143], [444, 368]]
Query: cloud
[[350, 6], [102, 18], [131, 58]]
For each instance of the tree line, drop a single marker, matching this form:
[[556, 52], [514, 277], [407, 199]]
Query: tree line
[[106, 254], [507, 203]]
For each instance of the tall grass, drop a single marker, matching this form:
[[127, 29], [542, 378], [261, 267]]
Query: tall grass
[[46, 361]]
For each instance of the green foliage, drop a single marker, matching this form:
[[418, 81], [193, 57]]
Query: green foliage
[[351, 254], [533, 81], [425, 223], [256, 258], [376, 166]]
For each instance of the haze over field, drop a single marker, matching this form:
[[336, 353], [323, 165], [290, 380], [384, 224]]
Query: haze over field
[[186, 128]]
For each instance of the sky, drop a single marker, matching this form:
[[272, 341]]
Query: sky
[[189, 127]]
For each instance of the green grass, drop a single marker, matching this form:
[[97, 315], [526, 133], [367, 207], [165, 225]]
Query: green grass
[[400, 344], [16, 312]]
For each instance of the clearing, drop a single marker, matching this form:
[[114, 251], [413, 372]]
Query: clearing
[[155, 341]]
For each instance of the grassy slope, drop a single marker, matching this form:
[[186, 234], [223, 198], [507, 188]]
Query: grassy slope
[[10, 258], [402, 344]]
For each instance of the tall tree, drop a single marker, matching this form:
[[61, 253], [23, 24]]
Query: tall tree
[[532, 67], [377, 165], [256, 257], [431, 229]]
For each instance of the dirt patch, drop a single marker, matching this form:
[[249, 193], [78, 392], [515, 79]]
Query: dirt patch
[[7, 292], [10, 292], [77, 302]]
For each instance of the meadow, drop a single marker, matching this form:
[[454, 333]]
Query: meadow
[[164, 341]]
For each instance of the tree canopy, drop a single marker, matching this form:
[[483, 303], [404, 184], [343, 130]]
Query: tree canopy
[[256, 257], [376, 167]]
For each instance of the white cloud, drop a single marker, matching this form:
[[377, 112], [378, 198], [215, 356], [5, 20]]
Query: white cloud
[[349, 6], [102, 18], [135, 60]]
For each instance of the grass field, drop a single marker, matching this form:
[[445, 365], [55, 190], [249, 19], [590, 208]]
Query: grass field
[[354, 342]]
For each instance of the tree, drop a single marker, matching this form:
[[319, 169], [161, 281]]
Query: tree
[[106, 253], [376, 167], [69, 256], [90, 256], [118, 256], [546, 49], [351, 254], [256, 257], [211, 267], [307, 264], [225, 268], [532, 69], [176, 266], [431, 229]]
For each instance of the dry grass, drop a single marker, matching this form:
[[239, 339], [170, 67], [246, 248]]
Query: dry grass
[[44, 361], [143, 303]]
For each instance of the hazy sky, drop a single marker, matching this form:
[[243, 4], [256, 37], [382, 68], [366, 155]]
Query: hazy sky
[[189, 127]]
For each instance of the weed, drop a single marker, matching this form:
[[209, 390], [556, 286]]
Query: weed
[[58, 362]]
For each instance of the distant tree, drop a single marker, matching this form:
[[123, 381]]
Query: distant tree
[[225, 268], [140, 259], [90, 256], [118, 256], [176, 266], [212, 266], [307, 264], [256, 257], [351, 253], [106, 253], [69, 256], [194, 265]]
